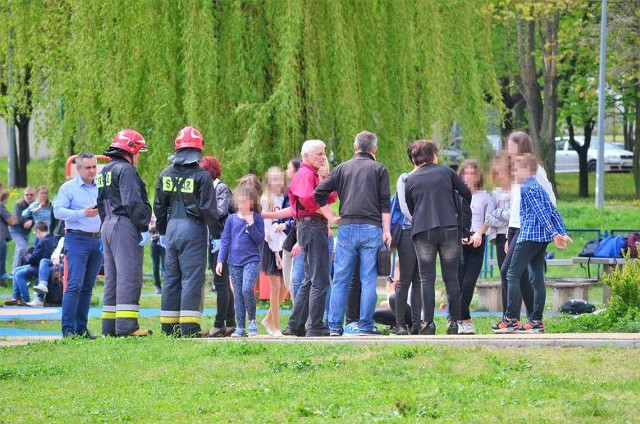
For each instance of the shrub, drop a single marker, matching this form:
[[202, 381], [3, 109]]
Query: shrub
[[625, 286], [623, 313]]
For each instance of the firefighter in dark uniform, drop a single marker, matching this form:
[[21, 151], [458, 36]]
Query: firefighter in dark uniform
[[185, 208], [125, 212]]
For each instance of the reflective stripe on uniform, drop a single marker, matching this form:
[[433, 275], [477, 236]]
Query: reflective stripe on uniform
[[169, 317], [108, 312], [190, 317], [128, 314], [123, 307]]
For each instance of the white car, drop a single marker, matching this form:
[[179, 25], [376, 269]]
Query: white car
[[616, 159]]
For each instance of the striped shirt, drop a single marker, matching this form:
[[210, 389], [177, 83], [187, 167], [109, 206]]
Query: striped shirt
[[540, 220]]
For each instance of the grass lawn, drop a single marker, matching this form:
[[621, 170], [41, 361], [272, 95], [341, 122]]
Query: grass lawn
[[161, 380]]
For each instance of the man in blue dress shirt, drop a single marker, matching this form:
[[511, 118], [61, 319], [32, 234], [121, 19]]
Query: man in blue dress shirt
[[76, 205]]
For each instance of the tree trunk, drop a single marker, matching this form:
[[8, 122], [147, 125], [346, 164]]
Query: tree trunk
[[22, 122], [582, 150], [636, 150], [531, 89], [542, 114]]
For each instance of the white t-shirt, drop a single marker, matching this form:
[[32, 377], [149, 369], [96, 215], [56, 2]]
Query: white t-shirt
[[543, 180], [479, 202]]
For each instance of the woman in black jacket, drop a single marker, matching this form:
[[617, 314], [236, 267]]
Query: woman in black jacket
[[429, 193]]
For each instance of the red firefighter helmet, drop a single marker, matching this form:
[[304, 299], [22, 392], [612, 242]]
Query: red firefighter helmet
[[189, 137], [129, 141]]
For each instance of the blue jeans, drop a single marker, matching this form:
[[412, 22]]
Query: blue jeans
[[22, 244], [327, 301], [527, 255], [44, 272], [297, 274], [244, 279], [85, 259], [20, 277], [363, 241]]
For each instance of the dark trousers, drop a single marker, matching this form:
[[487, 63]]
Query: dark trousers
[[409, 277], [157, 257], [310, 298], [526, 291], [123, 257], [84, 259], [446, 243], [527, 254], [501, 240], [468, 272], [224, 296], [183, 291], [353, 295]]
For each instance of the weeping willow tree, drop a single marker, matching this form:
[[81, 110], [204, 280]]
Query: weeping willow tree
[[256, 77]]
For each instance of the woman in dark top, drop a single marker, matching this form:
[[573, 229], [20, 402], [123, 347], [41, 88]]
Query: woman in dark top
[[429, 192]]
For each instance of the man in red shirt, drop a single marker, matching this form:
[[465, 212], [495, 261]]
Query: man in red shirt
[[313, 238]]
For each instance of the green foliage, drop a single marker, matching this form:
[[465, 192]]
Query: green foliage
[[625, 286], [257, 78]]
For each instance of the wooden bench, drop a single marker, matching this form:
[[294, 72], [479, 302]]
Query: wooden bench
[[565, 289], [608, 264], [562, 290]]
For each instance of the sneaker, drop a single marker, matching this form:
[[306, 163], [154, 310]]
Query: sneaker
[[15, 302], [41, 288], [506, 325], [253, 329], [158, 290], [466, 327], [239, 332], [336, 333], [7, 276], [531, 326], [428, 329], [36, 303], [453, 328], [352, 328], [373, 332]]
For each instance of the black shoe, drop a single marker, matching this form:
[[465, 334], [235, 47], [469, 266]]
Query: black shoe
[[373, 332], [416, 327], [453, 328], [401, 330], [87, 335], [317, 333], [428, 329], [68, 335], [292, 333]]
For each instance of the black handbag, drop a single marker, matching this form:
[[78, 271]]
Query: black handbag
[[384, 261], [291, 240], [396, 234]]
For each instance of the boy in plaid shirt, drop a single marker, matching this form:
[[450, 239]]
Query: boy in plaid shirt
[[541, 224]]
